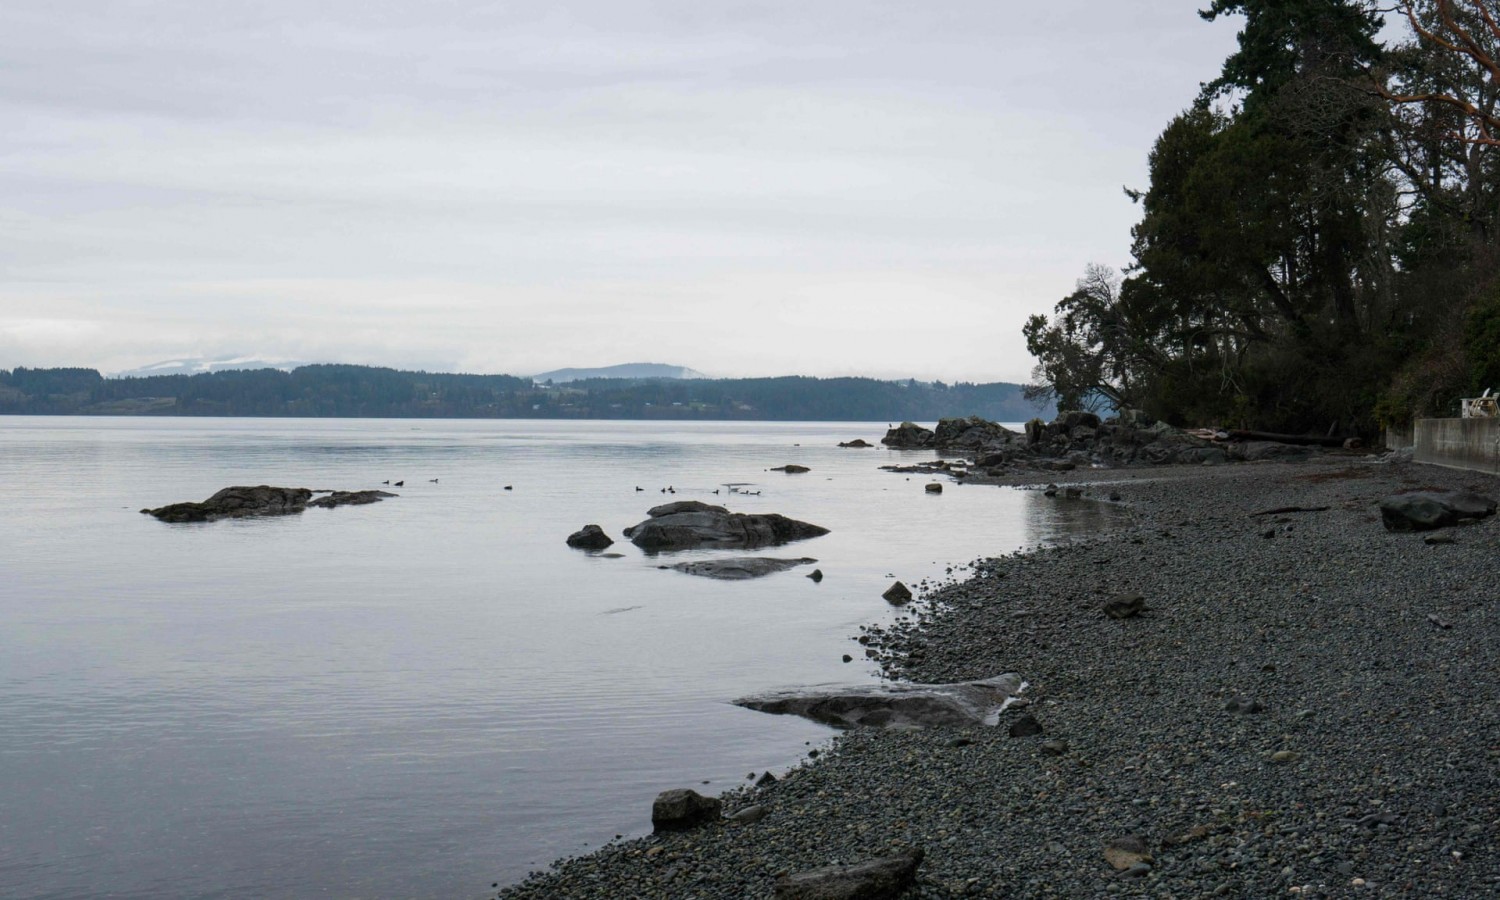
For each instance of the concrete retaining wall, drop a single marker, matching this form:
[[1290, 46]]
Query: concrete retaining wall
[[1472, 444], [1397, 438]]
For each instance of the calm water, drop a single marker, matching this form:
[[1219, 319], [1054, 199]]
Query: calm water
[[427, 695]]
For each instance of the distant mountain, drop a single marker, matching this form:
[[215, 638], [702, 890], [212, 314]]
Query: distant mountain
[[198, 366], [628, 370]]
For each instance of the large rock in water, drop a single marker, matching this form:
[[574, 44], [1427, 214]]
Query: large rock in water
[[908, 436], [689, 523], [237, 502], [893, 705], [1426, 510], [590, 537], [741, 568], [881, 878]]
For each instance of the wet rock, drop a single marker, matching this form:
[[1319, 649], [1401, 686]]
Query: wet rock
[[1055, 748], [816, 575], [689, 523], [740, 568], [893, 705], [1244, 706], [897, 594], [335, 499], [1426, 510], [859, 443], [934, 488], [237, 502], [792, 469], [880, 878], [681, 809], [589, 537], [1125, 606]]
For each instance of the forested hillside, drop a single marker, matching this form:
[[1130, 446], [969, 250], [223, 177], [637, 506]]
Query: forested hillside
[[356, 391], [1317, 246]]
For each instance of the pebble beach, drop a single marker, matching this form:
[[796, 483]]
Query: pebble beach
[[1307, 706]]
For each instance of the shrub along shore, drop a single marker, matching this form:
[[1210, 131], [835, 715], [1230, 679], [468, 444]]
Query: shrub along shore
[[1308, 705]]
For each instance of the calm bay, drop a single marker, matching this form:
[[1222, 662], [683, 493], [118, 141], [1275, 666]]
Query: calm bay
[[431, 694]]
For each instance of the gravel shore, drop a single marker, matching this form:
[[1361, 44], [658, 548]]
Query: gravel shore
[[1368, 764]]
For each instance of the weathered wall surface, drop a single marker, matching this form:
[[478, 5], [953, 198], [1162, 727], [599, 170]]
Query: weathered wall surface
[[1397, 438], [1472, 444]]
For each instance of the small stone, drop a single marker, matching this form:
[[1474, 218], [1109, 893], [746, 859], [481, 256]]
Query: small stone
[[1055, 748], [1127, 851], [1432, 539], [1281, 757], [765, 780], [1244, 706]]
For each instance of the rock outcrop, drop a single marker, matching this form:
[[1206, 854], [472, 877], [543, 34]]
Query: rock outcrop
[[690, 523], [242, 501], [1079, 439], [237, 502], [741, 568], [893, 705]]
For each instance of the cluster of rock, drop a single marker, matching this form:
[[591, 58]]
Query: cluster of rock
[[242, 501], [1081, 439]]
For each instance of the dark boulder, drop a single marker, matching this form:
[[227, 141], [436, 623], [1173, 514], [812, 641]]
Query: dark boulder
[[893, 705], [1125, 606], [880, 878], [237, 502], [934, 487], [742, 568], [908, 436], [858, 443], [1426, 510], [589, 537], [791, 469], [897, 594], [681, 809], [679, 526]]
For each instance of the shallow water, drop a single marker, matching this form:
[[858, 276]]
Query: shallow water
[[430, 694]]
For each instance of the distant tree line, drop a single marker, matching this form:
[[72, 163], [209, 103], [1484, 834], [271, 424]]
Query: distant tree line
[[1319, 244], [365, 391]]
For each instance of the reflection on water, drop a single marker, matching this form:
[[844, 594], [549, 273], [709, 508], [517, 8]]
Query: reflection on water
[[426, 695]]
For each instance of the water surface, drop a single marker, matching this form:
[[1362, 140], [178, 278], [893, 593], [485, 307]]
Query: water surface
[[427, 695]]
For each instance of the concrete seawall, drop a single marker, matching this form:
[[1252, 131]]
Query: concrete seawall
[[1472, 444]]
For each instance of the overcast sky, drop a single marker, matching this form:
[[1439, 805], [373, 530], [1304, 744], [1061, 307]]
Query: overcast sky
[[819, 187]]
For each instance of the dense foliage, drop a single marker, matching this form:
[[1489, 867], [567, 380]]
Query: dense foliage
[[1316, 248], [364, 391]]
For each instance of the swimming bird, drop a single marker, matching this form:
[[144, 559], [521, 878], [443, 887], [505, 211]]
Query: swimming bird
[[387, 481], [639, 488], [507, 487], [432, 481], [399, 484]]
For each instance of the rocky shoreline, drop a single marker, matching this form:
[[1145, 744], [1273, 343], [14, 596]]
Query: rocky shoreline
[[1308, 705]]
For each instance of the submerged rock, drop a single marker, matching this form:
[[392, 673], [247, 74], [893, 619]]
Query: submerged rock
[[336, 499], [742, 567], [689, 523], [792, 469], [237, 502], [893, 705]]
